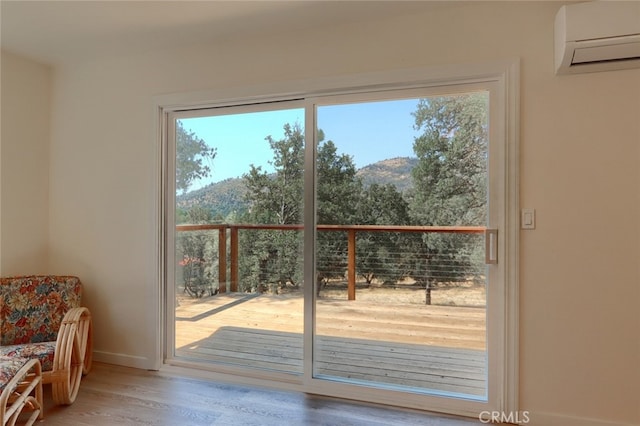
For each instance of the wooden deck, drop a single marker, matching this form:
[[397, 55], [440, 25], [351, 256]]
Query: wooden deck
[[416, 346]]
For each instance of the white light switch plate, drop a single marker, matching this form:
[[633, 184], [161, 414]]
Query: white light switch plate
[[528, 219]]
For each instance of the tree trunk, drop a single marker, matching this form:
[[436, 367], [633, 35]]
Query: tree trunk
[[319, 285]]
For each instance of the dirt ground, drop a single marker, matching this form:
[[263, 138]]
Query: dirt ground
[[456, 318], [460, 294]]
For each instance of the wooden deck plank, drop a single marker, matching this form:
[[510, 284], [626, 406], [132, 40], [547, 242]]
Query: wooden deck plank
[[438, 348], [444, 369]]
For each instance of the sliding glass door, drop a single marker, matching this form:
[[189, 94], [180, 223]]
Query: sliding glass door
[[237, 248], [343, 244], [401, 210]]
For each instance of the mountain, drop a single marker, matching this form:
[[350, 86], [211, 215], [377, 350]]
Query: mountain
[[222, 197], [394, 170], [227, 196]]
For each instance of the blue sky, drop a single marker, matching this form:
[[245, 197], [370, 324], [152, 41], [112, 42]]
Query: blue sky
[[368, 132]]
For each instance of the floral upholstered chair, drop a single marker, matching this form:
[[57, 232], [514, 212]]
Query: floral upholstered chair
[[41, 318]]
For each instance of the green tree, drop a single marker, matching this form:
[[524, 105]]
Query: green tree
[[198, 256], [449, 184], [277, 198], [382, 255], [272, 258], [192, 153], [198, 261], [338, 197], [339, 189]]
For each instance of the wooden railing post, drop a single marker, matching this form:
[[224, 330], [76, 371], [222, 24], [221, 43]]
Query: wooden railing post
[[222, 260], [351, 265], [234, 259]]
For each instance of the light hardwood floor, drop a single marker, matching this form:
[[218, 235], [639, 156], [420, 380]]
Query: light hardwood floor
[[114, 396]]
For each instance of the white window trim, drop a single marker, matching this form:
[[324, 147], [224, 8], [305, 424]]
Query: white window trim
[[504, 73]]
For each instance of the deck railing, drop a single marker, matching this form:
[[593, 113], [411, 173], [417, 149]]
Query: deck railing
[[351, 230]]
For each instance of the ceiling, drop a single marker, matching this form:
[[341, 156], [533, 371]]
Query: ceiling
[[58, 31]]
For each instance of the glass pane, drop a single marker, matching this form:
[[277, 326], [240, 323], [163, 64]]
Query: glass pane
[[238, 244], [401, 210]]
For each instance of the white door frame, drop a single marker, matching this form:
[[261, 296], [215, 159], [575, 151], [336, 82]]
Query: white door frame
[[504, 78]]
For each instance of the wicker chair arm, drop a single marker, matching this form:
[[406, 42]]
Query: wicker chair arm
[[72, 356]]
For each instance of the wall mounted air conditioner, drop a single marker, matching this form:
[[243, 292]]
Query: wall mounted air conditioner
[[597, 36]]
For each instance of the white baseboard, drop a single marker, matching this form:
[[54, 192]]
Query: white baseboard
[[549, 419], [124, 360]]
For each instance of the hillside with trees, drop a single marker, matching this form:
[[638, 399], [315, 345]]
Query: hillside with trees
[[223, 199], [395, 171], [227, 197]]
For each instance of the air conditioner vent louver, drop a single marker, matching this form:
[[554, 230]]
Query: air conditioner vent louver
[[597, 36]]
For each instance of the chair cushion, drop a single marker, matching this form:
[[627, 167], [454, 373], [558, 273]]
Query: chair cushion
[[32, 307], [44, 351], [9, 367]]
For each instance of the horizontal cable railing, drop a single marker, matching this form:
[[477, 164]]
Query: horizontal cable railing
[[263, 257]]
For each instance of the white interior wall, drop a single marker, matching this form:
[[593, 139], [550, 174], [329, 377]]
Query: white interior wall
[[24, 168], [580, 156]]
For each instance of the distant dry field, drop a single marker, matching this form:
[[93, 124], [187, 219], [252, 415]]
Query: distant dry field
[[462, 294], [466, 294]]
